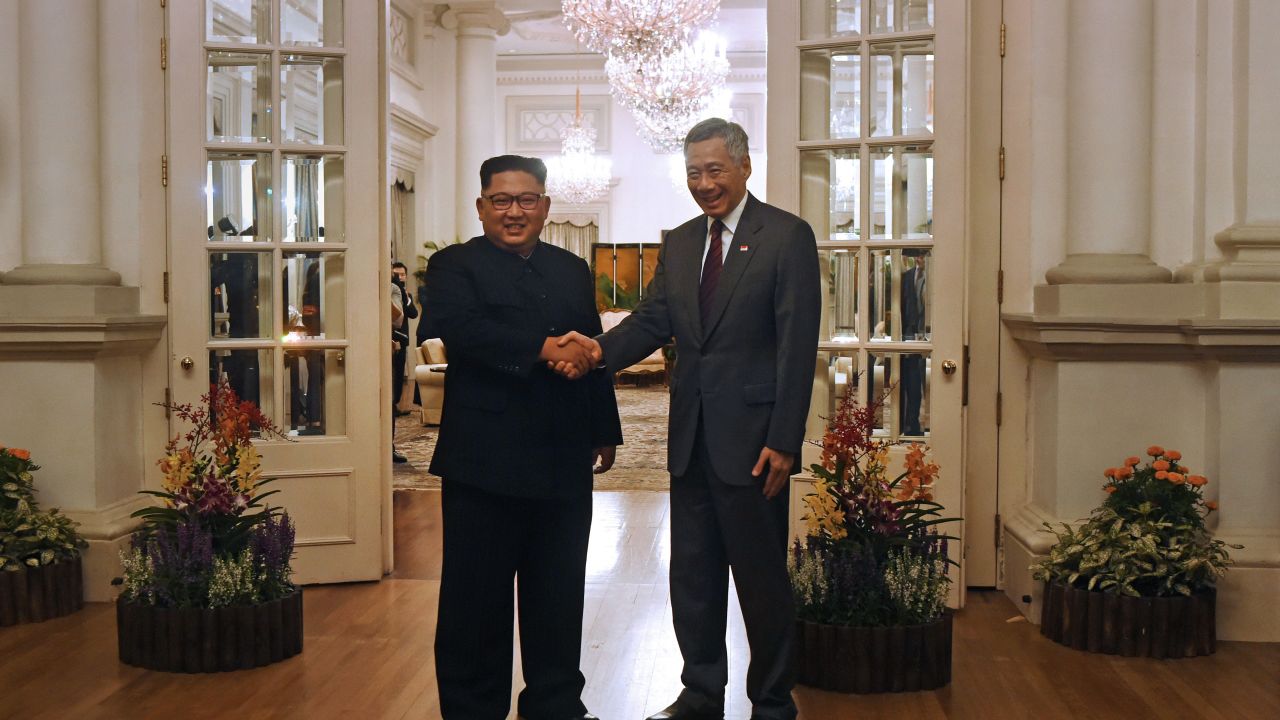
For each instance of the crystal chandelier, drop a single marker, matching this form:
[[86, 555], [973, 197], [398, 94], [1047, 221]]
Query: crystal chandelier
[[669, 95], [578, 175], [637, 29]]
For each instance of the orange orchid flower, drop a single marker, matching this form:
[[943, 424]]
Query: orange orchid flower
[[20, 453], [1161, 465], [1173, 455], [1162, 475], [1196, 480], [1131, 461], [1155, 451], [1176, 478]]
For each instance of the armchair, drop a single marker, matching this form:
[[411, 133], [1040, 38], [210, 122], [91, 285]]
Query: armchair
[[429, 374]]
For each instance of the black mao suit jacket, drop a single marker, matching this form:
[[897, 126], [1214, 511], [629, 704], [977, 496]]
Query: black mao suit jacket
[[750, 371], [509, 425]]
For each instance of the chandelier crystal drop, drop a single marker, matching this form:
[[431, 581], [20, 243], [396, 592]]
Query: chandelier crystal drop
[[578, 175], [637, 29]]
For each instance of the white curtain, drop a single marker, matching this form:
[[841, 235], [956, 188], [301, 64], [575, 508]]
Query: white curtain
[[306, 189], [576, 237], [401, 221]]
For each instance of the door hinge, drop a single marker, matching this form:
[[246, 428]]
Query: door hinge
[[1002, 38], [999, 287], [999, 409], [164, 171], [164, 53], [964, 382], [166, 287], [1002, 162], [998, 535], [162, 3], [168, 401]]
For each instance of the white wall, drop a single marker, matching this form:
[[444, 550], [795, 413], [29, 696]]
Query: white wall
[[10, 147]]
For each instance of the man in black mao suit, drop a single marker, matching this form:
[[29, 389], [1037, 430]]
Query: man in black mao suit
[[516, 448], [738, 288]]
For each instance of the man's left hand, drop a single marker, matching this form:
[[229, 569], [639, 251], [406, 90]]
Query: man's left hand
[[602, 458], [778, 464]]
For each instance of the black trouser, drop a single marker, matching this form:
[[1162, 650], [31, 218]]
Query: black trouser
[[716, 526], [489, 541]]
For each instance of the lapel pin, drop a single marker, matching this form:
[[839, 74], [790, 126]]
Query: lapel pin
[[742, 248]]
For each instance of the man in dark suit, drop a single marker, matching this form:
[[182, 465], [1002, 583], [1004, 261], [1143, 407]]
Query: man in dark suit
[[516, 448], [738, 288], [914, 327]]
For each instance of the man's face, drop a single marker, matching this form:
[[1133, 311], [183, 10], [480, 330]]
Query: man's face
[[400, 274], [716, 183], [514, 228]]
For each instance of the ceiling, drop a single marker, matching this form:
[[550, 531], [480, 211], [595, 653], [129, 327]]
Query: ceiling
[[537, 27]]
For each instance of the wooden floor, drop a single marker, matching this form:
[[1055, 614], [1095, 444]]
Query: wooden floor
[[368, 653]]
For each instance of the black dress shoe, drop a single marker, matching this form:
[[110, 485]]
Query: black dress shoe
[[679, 711], [396, 457]]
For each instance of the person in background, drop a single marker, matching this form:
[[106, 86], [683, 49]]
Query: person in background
[[399, 276]]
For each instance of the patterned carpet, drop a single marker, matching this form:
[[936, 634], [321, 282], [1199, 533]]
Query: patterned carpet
[[641, 462]]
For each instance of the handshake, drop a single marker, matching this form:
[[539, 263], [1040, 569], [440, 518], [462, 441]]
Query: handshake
[[572, 355]]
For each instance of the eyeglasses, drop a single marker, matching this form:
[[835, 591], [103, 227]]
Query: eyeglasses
[[502, 201]]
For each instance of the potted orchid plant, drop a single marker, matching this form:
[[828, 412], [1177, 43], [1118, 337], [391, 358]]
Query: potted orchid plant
[[870, 579], [207, 578]]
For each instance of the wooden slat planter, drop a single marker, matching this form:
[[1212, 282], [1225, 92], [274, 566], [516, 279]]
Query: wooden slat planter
[[197, 640], [875, 659], [41, 593], [1165, 627]]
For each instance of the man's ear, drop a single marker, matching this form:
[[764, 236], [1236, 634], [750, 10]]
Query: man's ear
[[480, 208], [746, 166]]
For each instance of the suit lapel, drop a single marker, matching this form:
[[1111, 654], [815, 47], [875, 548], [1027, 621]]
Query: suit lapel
[[741, 249], [684, 262]]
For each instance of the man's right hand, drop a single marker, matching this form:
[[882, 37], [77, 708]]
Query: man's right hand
[[570, 359], [575, 339]]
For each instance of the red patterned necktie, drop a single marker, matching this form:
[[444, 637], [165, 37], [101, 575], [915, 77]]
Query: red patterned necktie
[[711, 272]]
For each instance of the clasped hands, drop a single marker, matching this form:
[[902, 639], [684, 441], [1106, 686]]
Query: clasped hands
[[572, 355]]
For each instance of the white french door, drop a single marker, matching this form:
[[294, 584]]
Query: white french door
[[274, 187], [867, 105]]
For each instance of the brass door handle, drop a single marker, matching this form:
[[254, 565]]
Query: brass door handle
[[187, 363], [949, 367]]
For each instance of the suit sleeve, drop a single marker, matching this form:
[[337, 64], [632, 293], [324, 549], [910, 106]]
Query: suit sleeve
[[606, 426], [797, 315], [468, 333], [646, 329]]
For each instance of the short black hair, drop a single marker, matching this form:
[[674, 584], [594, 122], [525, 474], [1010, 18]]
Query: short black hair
[[507, 163], [398, 264]]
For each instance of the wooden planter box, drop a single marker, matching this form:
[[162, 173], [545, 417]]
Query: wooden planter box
[[900, 658], [209, 640], [41, 593], [1162, 627]]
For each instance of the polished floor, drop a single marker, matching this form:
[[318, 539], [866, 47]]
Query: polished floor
[[368, 653]]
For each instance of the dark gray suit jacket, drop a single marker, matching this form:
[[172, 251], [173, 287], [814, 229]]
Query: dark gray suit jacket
[[750, 372]]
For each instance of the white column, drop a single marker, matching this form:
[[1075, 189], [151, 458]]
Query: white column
[[1251, 245], [1109, 79], [478, 25], [61, 195]]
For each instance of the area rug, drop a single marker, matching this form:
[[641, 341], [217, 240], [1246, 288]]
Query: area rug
[[641, 462]]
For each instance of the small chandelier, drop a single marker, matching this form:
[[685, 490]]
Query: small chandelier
[[636, 30], [578, 175]]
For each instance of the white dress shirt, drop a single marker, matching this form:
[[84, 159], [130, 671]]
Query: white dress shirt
[[726, 237]]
